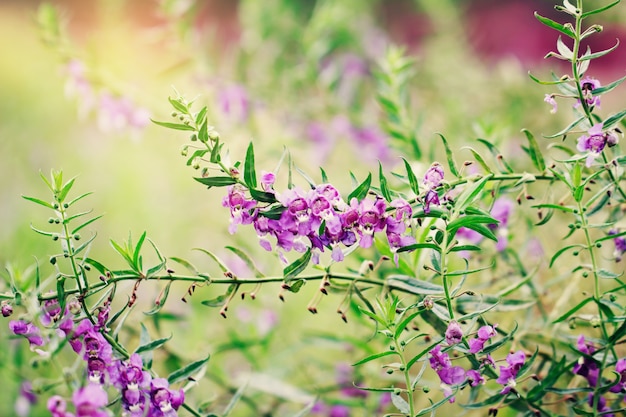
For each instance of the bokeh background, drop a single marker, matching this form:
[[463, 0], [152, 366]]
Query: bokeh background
[[294, 74]]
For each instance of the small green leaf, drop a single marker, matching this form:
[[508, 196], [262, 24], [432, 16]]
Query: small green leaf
[[234, 400], [413, 182], [534, 151], [361, 191], [80, 197], [152, 345], [42, 232], [178, 105], [449, 156], [88, 222], [572, 310], [414, 285], [38, 201], [599, 10], [567, 129], [158, 306], [400, 403], [613, 120], [247, 260], [203, 134], [562, 251], [201, 116], [219, 262], [416, 246], [599, 54], [65, 190], [249, 172], [471, 192], [216, 181], [375, 356], [297, 266], [384, 188], [555, 25], [175, 126], [606, 88], [262, 196], [187, 371]]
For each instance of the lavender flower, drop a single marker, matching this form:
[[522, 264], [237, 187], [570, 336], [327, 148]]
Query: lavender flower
[[448, 374], [587, 367], [28, 330], [7, 309], [433, 179], [508, 374], [454, 333], [595, 142], [240, 207], [234, 101], [549, 98], [164, 401], [588, 85], [90, 400]]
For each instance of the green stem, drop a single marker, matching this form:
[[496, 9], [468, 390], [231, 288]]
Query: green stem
[[407, 376]]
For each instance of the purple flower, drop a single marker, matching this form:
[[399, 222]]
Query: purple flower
[[371, 220], [339, 411], [595, 142], [588, 85], [51, 312], [475, 378], [118, 113], [267, 181], [484, 334], [549, 98], [7, 309], [90, 400], [25, 400], [240, 207], [433, 178], [371, 142], [28, 330], [57, 407], [448, 374], [454, 333], [620, 368], [587, 367], [164, 400], [509, 373], [620, 245]]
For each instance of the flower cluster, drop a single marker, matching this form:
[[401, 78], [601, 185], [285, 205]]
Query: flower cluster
[[589, 368], [319, 219], [141, 395], [456, 375]]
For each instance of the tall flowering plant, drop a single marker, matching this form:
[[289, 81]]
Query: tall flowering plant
[[426, 256]]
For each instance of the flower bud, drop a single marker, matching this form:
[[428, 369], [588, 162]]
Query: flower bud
[[428, 303], [213, 135], [7, 309]]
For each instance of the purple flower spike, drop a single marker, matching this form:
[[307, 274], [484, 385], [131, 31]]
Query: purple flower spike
[[593, 143]]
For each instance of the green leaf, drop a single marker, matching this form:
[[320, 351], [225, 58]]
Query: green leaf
[[158, 306], [137, 251], [506, 168], [88, 222], [562, 251], [80, 197], [361, 191], [42, 232], [187, 371], [215, 152], [433, 407], [216, 181], [414, 285], [400, 403], [175, 126], [247, 260], [38, 201], [599, 10], [606, 88], [413, 182], [375, 356], [469, 194], [122, 251], [479, 159], [262, 196], [65, 190], [201, 116], [384, 188], [567, 129], [613, 120], [534, 151], [555, 25], [219, 262], [599, 54], [249, 171], [554, 82], [85, 244], [234, 400], [449, 156], [416, 246], [203, 134], [178, 105], [297, 266], [152, 345], [405, 322], [220, 299]]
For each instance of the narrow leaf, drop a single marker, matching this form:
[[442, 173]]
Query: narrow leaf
[[449, 156], [413, 182], [534, 151], [384, 188], [216, 181], [175, 126], [361, 191], [187, 371], [249, 171], [38, 201], [599, 10], [152, 345], [297, 266], [375, 356], [555, 25]]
